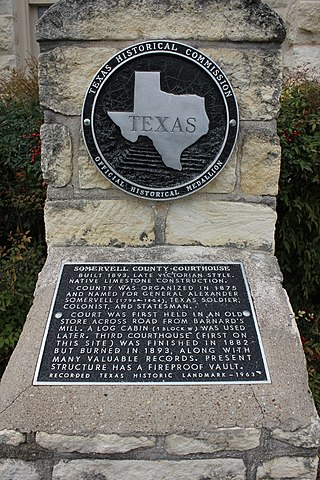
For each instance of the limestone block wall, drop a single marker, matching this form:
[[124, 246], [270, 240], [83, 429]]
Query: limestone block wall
[[7, 38], [66, 457], [302, 45], [83, 208]]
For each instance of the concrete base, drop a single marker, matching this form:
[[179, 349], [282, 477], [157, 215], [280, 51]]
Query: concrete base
[[238, 432]]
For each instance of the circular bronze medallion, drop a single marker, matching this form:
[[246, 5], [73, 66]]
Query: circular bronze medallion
[[160, 120]]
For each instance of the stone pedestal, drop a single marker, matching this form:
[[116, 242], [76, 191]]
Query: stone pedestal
[[241, 432], [115, 432]]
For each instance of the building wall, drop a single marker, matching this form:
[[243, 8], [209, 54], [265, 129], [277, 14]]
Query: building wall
[[302, 45], [7, 43], [18, 19]]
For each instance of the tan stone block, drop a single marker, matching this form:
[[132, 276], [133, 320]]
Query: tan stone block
[[89, 175], [98, 443], [153, 19], [225, 181], [195, 221], [277, 4], [56, 155], [65, 74], [293, 468], [223, 468], [221, 439], [304, 22], [303, 56], [254, 75], [260, 164], [6, 33], [104, 222]]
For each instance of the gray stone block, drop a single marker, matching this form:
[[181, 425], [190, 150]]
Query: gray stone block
[[18, 470], [56, 155], [252, 21], [224, 468], [11, 437], [98, 443], [293, 468], [220, 439]]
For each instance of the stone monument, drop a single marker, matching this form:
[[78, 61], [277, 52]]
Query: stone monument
[[160, 343]]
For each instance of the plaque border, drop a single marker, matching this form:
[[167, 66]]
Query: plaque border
[[36, 382], [159, 193]]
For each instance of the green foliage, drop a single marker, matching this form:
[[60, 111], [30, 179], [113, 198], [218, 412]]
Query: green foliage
[[309, 326], [22, 196], [298, 227], [19, 267], [21, 193]]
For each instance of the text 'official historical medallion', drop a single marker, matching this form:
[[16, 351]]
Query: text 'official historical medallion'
[[160, 120]]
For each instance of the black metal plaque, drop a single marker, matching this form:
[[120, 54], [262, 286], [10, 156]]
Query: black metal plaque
[[152, 324], [160, 120]]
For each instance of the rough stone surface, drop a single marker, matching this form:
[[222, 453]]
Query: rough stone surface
[[65, 74], [292, 468], [128, 410], [304, 22], [56, 155], [93, 444], [195, 221], [6, 7], [17, 470], [255, 76], [11, 437], [302, 437], [99, 222], [6, 33], [301, 47], [220, 439], [89, 175], [303, 56], [225, 182], [277, 4], [226, 469], [260, 164], [214, 20]]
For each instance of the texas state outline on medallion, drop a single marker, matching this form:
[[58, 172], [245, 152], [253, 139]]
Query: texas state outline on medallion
[[179, 121]]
